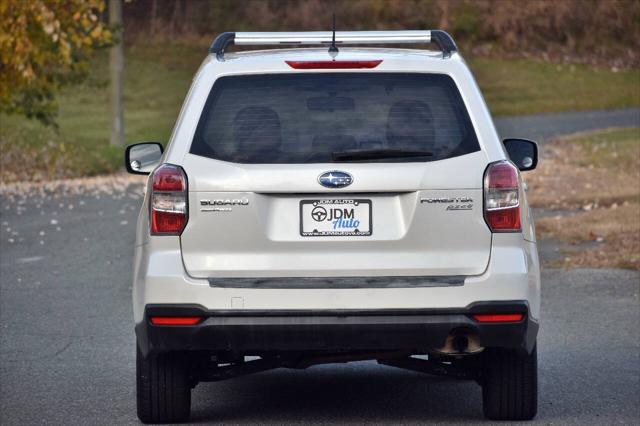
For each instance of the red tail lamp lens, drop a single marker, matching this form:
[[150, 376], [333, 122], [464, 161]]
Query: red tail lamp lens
[[175, 320], [503, 175], [498, 317], [507, 220], [167, 223], [329, 65], [169, 178]]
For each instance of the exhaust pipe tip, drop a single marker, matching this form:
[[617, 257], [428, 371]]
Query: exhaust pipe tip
[[461, 342]]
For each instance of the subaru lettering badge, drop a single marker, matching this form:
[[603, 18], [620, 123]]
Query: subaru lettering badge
[[335, 179]]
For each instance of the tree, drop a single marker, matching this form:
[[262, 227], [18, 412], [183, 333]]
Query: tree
[[44, 45], [116, 66]]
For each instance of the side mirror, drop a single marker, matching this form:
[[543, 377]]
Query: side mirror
[[523, 153], [142, 158]]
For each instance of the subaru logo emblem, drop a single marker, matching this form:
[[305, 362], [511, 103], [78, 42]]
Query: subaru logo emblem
[[335, 179]]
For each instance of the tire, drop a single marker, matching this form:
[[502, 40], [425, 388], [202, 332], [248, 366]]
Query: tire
[[163, 388], [509, 384]]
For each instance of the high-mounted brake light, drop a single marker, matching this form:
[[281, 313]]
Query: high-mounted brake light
[[498, 317], [329, 65], [502, 197], [175, 320], [168, 205]]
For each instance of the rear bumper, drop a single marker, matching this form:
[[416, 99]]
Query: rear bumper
[[160, 279], [254, 332]]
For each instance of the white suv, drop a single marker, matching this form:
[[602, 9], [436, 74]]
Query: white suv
[[335, 204]]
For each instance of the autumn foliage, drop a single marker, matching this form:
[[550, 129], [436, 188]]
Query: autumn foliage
[[43, 46]]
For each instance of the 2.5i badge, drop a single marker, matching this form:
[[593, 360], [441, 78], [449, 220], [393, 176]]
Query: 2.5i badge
[[335, 217]]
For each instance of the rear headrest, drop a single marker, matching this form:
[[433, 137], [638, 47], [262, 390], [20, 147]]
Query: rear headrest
[[410, 126], [257, 129], [333, 143]]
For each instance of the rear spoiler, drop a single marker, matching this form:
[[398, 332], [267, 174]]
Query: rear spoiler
[[440, 38]]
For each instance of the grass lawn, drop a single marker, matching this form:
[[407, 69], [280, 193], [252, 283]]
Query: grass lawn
[[593, 180], [522, 86], [158, 77]]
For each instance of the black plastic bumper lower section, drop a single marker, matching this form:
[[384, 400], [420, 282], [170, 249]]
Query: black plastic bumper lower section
[[255, 332]]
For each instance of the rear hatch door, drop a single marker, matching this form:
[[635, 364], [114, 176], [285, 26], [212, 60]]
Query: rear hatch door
[[335, 175]]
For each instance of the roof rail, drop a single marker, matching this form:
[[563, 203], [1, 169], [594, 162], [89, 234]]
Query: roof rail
[[441, 38]]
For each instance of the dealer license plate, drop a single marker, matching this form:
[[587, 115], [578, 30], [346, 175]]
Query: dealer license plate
[[335, 217]]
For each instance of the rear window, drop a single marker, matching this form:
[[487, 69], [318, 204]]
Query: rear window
[[308, 118]]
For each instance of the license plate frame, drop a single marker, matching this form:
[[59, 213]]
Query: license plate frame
[[335, 202]]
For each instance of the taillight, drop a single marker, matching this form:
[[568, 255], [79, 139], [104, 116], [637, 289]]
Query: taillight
[[502, 197], [168, 206]]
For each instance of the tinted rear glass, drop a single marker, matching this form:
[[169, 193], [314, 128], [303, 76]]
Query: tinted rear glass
[[305, 118]]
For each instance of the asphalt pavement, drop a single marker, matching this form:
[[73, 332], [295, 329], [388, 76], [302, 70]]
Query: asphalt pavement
[[543, 127], [67, 353]]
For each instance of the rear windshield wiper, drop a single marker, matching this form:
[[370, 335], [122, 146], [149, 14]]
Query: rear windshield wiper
[[375, 154]]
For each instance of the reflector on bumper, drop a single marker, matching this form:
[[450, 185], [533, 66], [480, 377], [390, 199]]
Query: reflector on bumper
[[175, 320], [498, 317]]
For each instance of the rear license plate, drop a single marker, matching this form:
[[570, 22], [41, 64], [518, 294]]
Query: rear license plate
[[335, 217]]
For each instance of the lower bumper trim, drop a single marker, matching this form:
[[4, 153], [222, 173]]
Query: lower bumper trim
[[256, 332]]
